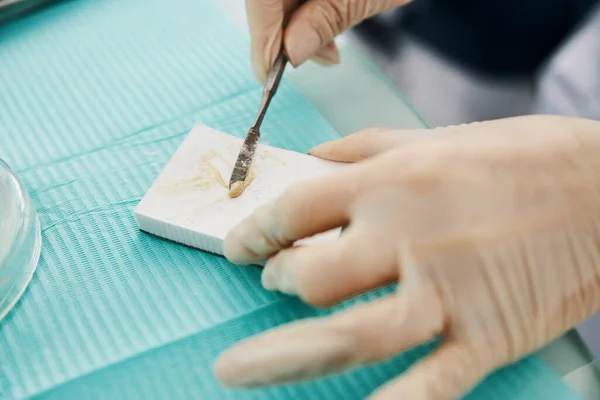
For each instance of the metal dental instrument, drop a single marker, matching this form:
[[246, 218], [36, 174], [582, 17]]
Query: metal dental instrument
[[246, 155]]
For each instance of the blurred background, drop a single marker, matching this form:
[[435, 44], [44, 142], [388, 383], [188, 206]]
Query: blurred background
[[459, 61]]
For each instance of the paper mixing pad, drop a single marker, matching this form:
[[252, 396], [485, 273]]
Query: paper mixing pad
[[20, 239], [189, 202]]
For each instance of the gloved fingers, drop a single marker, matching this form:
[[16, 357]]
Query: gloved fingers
[[448, 373], [371, 142], [266, 19], [328, 55], [306, 349], [303, 210], [362, 144], [325, 274], [318, 22]]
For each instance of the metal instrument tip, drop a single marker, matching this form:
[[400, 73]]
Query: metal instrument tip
[[237, 182]]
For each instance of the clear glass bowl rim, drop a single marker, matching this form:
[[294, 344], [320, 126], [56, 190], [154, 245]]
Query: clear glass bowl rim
[[20, 239]]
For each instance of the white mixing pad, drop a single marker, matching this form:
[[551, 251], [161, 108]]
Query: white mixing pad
[[189, 203]]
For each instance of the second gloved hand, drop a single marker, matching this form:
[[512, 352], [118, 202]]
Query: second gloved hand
[[492, 229]]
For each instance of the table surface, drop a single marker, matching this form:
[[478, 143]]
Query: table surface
[[356, 95]]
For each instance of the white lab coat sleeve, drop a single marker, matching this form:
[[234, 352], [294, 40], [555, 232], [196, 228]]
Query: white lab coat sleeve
[[570, 85], [570, 82]]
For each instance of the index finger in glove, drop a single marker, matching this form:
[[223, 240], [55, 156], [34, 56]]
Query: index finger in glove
[[370, 142]]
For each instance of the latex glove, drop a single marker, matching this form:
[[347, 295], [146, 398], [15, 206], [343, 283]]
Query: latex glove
[[311, 28], [492, 229]]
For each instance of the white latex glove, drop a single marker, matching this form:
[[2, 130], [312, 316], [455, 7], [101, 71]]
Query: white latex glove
[[311, 28], [492, 229]]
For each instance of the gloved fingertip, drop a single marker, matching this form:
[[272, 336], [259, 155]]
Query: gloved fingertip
[[263, 56], [258, 69], [260, 76], [272, 49], [324, 61], [269, 279], [387, 392], [302, 45], [318, 149], [357, 146], [225, 369], [333, 151], [234, 251], [328, 55], [231, 369], [278, 276]]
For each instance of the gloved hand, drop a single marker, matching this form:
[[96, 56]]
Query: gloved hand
[[492, 229], [311, 28]]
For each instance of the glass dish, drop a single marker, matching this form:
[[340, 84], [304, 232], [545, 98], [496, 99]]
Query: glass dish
[[20, 239]]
